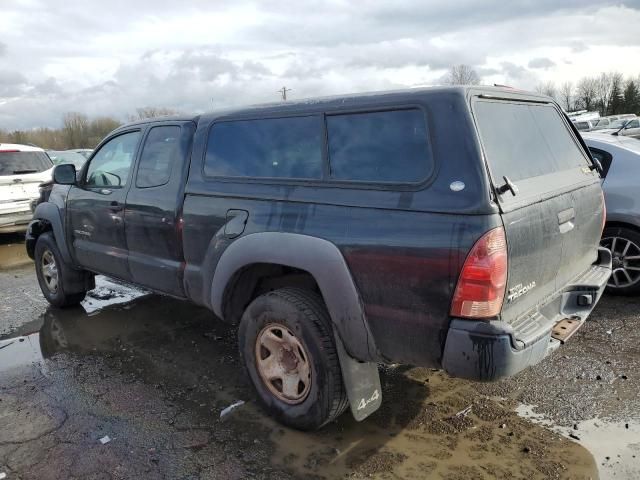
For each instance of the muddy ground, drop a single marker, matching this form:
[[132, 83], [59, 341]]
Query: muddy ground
[[153, 374]]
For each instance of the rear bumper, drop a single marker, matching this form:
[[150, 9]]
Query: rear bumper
[[488, 351], [15, 221]]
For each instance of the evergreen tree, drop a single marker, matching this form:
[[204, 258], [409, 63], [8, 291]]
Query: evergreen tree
[[631, 98], [616, 104]]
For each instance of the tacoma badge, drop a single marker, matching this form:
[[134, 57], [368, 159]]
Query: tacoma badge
[[519, 290]]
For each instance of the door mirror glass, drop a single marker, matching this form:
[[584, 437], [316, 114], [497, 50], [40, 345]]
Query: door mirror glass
[[64, 174]]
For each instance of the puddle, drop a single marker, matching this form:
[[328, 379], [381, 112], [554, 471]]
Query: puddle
[[615, 446], [20, 351], [109, 292], [13, 254], [70, 329], [420, 432]]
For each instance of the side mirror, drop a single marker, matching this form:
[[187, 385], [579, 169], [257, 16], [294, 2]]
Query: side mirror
[[64, 174]]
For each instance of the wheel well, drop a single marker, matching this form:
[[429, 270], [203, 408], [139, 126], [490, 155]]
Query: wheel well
[[258, 278], [622, 225], [36, 229]]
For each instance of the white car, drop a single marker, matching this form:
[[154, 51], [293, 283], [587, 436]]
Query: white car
[[22, 169]]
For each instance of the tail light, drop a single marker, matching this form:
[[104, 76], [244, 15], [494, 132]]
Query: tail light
[[481, 286]]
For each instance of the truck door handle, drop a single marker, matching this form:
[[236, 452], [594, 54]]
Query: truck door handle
[[115, 207]]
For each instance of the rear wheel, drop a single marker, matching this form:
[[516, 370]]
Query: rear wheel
[[624, 244], [52, 272], [287, 345]]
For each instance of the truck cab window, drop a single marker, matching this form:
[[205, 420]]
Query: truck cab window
[[158, 156], [111, 165], [273, 147]]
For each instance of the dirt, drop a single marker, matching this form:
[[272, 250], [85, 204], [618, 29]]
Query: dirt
[[154, 373]]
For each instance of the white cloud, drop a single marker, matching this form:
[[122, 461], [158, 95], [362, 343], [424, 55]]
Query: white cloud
[[63, 55]]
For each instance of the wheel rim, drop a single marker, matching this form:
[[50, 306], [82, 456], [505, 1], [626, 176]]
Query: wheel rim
[[625, 261], [49, 271], [283, 363]]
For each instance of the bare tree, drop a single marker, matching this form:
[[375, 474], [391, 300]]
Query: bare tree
[[100, 127], [566, 95], [461, 75], [586, 92], [75, 129], [604, 87], [547, 88], [151, 112]]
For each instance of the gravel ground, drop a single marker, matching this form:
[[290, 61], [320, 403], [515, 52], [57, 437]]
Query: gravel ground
[[153, 374]]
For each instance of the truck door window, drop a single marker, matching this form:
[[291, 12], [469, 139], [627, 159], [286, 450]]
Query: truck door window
[[271, 147], [158, 156], [110, 166]]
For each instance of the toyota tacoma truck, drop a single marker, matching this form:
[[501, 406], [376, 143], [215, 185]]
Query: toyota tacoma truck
[[455, 228]]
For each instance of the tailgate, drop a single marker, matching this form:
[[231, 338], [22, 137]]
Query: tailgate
[[553, 217]]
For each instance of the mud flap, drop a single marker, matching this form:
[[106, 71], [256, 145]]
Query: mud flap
[[362, 382]]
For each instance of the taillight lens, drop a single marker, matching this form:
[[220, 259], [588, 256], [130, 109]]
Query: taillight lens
[[482, 282]]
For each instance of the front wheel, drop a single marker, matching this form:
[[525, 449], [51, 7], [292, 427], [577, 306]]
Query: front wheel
[[287, 345], [52, 272], [624, 244]]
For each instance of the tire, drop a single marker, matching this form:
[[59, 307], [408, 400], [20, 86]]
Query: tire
[[317, 398], [624, 244], [47, 254]]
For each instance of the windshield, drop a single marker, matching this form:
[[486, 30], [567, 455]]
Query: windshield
[[618, 123], [16, 163]]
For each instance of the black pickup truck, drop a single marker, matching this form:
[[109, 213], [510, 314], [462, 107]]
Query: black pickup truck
[[445, 227]]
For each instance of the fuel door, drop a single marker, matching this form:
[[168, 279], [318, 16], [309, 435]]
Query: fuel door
[[235, 223]]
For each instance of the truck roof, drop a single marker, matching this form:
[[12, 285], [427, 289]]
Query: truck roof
[[396, 96], [355, 99]]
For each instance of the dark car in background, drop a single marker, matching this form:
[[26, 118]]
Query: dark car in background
[[455, 228]]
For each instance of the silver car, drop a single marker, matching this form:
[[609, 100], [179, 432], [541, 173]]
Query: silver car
[[620, 159]]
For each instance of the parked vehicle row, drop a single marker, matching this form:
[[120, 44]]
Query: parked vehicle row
[[452, 227], [626, 124]]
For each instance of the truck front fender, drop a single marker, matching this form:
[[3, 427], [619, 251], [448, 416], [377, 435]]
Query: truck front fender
[[318, 257], [48, 213]]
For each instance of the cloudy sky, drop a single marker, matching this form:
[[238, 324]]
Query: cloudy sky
[[110, 57]]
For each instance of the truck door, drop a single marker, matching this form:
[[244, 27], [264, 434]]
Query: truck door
[[95, 207], [154, 205]]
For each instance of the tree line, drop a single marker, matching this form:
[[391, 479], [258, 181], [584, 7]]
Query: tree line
[[608, 93], [77, 131]]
